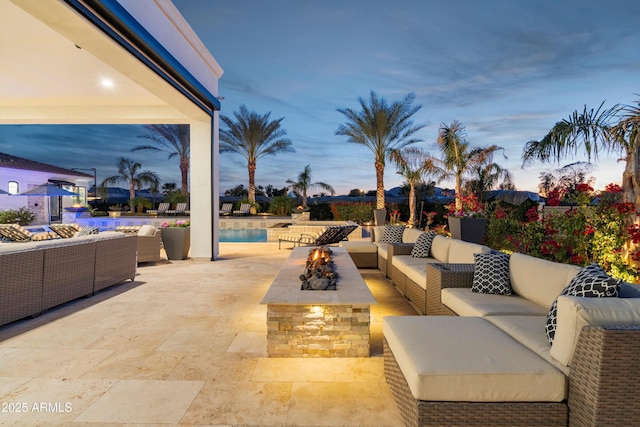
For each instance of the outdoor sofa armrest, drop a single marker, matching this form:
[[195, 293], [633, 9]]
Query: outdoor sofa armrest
[[604, 376], [399, 249], [441, 276]]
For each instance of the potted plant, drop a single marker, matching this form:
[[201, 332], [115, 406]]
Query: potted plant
[[468, 222], [176, 239]]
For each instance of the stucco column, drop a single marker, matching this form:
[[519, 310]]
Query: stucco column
[[203, 183]]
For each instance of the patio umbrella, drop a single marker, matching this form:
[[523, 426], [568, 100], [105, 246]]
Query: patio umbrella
[[48, 190]]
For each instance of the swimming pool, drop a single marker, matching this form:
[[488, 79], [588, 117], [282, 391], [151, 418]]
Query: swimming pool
[[243, 235]]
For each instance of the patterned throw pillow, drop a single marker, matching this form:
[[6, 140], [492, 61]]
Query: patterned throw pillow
[[590, 282], [85, 231], [392, 234], [491, 274], [422, 247]]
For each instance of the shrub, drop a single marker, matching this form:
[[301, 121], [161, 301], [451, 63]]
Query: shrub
[[359, 212], [22, 216], [581, 235]]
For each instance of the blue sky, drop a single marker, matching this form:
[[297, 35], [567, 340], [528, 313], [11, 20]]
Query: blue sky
[[507, 69]]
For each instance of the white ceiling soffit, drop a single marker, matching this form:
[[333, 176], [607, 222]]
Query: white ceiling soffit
[[53, 69]]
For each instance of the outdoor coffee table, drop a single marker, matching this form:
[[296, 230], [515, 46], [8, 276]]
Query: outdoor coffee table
[[313, 323]]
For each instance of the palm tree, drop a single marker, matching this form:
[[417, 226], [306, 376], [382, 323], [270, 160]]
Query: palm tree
[[129, 172], [488, 177], [459, 157], [414, 164], [616, 129], [253, 136], [174, 140], [382, 128], [304, 183]]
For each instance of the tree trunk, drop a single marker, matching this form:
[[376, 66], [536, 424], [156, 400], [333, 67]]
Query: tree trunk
[[631, 194], [184, 172], [252, 182], [132, 195], [458, 192], [379, 185], [412, 204]]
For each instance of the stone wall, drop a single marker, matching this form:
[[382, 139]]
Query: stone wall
[[318, 330]]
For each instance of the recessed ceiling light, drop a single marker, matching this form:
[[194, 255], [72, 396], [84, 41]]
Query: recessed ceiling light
[[107, 83]]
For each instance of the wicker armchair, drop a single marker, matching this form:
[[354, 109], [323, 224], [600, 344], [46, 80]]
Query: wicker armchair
[[149, 247], [149, 241]]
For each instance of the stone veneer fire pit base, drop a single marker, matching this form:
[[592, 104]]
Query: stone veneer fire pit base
[[330, 323], [318, 330]]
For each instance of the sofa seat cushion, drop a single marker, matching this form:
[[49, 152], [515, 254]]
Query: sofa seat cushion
[[413, 268], [463, 302], [539, 280], [461, 252], [528, 331], [447, 358], [359, 247], [574, 313]]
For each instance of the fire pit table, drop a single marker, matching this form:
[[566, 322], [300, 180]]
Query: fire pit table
[[318, 323]]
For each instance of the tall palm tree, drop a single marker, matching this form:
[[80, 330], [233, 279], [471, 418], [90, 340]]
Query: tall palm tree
[[253, 136], [174, 140], [129, 172], [616, 129], [383, 128], [303, 184], [416, 166], [458, 156]]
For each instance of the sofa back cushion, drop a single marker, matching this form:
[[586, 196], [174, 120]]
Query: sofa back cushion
[[378, 230], [440, 248], [538, 280], [574, 313], [461, 252], [410, 235]]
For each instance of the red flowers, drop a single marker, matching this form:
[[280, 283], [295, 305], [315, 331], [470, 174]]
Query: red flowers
[[584, 188], [613, 188]]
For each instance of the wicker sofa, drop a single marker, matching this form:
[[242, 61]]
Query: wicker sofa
[[377, 253], [491, 364], [36, 276]]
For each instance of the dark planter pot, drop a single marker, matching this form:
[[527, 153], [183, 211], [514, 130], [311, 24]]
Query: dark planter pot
[[176, 242], [468, 229], [379, 216]]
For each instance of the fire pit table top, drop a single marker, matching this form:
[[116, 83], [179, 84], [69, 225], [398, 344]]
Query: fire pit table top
[[351, 288]]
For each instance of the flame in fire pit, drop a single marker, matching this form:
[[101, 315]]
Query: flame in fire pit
[[319, 273]]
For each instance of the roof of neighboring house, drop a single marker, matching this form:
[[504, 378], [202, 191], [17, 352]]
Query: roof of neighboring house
[[14, 162]]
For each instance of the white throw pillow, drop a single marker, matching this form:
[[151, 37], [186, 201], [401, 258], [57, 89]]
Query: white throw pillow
[[574, 313], [147, 230]]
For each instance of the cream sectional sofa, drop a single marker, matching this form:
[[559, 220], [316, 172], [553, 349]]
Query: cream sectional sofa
[[492, 364], [377, 254], [409, 274]]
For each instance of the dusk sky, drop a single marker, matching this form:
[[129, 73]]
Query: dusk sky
[[507, 69]]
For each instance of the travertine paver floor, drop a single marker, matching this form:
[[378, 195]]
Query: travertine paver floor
[[185, 343]]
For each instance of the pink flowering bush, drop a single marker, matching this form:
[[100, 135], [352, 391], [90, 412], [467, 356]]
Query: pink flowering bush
[[471, 207], [581, 235]]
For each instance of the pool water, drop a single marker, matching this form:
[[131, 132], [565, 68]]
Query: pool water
[[243, 235]]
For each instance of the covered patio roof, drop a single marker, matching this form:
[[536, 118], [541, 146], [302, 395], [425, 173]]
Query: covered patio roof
[[115, 62]]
